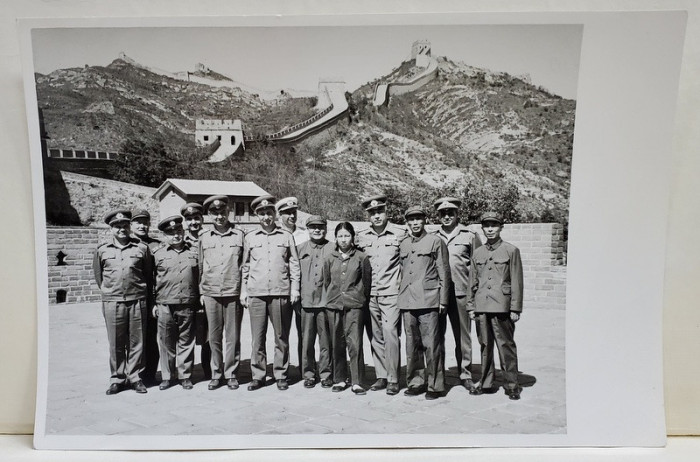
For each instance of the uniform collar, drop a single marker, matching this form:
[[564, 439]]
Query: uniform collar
[[495, 245], [460, 228], [186, 246], [419, 237], [225, 233], [317, 246], [132, 241], [388, 229], [275, 230], [338, 254]]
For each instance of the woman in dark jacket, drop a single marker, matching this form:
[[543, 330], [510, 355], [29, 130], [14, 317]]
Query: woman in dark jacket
[[347, 274]]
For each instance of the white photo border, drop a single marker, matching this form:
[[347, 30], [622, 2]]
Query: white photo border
[[628, 81]]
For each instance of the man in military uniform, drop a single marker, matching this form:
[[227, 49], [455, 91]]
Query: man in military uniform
[[270, 286], [496, 301], [193, 214], [123, 272], [220, 256], [287, 211], [461, 243], [140, 227], [423, 298], [314, 321], [176, 296], [381, 244]]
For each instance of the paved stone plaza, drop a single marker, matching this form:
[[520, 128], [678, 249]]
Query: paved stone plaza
[[79, 376]]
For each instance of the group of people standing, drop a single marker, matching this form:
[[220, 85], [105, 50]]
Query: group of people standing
[[195, 286]]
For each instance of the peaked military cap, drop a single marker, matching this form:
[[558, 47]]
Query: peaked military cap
[[215, 202], [491, 216], [191, 208], [316, 220], [170, 223], [140, 213], [374, 202], [414, 210], [447, 203], [263, 202], [288, 203], [117, 216]]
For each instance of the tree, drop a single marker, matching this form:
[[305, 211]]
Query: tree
[[146, 163]]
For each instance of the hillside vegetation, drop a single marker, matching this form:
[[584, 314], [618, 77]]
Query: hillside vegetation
[[491, 138]]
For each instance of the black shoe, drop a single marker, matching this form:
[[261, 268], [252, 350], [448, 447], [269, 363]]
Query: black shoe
[[514, 394], [282, 384], [359, 389], [187, 384], [139, 387], [214, 384], [309, 383], [327, 383], [255, 384], [164, 385], [468, 384], [380, 384], [432, 395], [232, 384], [478, 390], [392, 388], [413, 391], [340, 386], [114, 389]]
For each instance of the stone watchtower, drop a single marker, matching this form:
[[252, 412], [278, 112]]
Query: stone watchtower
[[420, 51], [226, 133]]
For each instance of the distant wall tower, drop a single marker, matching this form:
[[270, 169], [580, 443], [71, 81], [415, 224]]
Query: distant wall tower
[[229, 133], [199, 67], [329, 89], [420, 51]]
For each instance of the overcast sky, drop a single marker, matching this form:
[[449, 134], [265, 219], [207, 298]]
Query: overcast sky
[[271, 58]]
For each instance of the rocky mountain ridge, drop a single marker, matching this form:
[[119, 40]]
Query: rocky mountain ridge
[[468, 128]]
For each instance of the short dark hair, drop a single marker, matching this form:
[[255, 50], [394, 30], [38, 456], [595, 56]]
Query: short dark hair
[[347, 226]]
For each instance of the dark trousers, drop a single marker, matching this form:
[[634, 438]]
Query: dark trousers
[[278, 310], [126, 323], [461, 330], [224, 317], [151, 348], [497, 328], [298, 324], [315, 322], [175, 334], [346, 334], [423, 338], [202, 338]]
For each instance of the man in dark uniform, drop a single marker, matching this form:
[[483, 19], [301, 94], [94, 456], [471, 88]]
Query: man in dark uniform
[[381, 244], [287, 211], [270, 287], [496, 301], [193, 214], [423, 297], [461, 243], [176, 296], [123, 272], [140, 227], [314, 321], [220, 257]]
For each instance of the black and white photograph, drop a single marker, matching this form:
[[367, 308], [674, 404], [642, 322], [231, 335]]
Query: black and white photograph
[[305, 235]]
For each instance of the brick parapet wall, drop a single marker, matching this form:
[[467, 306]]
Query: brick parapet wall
[[541, 247]]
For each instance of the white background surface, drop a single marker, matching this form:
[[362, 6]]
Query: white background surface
[[681, 317]]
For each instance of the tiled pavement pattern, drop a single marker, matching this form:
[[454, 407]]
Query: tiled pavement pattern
[[79, 376]]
